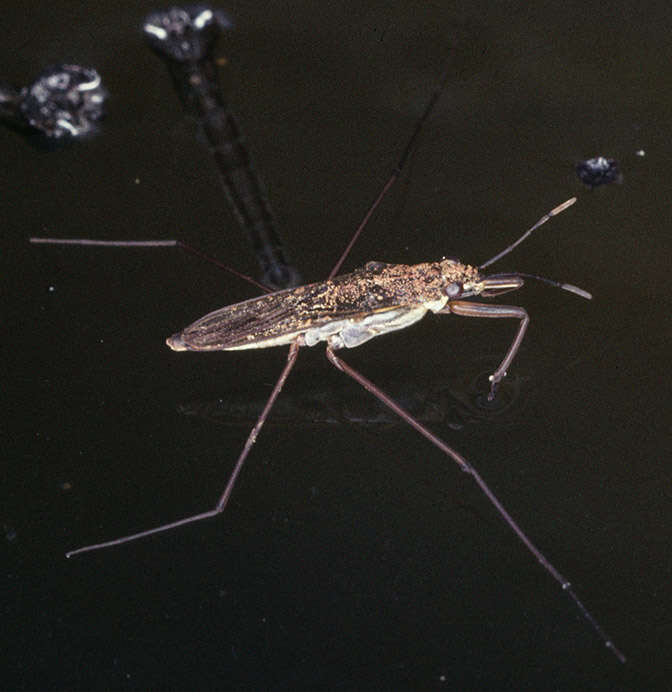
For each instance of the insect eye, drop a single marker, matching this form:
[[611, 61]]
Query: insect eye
[[453, 290]]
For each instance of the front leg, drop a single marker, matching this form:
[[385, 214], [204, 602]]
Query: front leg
[[467, 309]]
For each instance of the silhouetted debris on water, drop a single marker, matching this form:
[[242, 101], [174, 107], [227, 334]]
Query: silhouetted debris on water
[[599, 171]]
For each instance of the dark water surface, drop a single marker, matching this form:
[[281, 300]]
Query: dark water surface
[[352, 556]]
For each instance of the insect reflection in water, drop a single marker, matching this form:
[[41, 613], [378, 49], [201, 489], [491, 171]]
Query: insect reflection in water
[[450, 401]]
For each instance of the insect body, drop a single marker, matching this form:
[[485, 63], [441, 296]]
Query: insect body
[[351, 309], [345, 311]]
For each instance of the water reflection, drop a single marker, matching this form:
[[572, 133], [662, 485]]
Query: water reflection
[[455, 402]]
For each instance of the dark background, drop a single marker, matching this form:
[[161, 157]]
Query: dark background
[[352, 556]]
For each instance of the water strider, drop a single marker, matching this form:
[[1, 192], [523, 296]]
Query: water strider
[[347, 310]]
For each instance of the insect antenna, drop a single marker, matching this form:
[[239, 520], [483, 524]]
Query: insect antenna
[[528, 233], [557, 284]]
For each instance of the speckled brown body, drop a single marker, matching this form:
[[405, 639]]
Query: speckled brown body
[[267, 319]]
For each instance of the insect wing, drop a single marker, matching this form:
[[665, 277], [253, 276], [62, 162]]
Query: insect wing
[[278, 318]]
